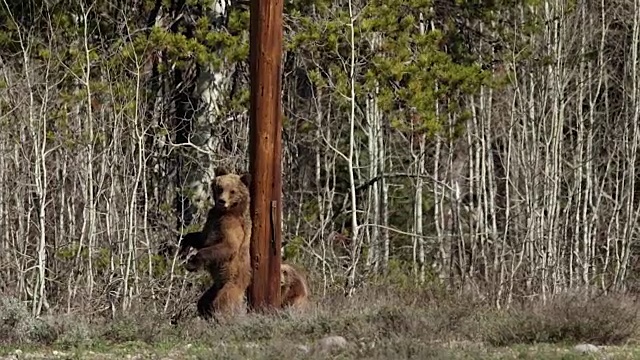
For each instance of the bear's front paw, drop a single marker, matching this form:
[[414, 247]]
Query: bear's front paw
[[192, 264], [183, 252]]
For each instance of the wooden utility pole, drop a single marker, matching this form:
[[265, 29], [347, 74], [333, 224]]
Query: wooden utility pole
[[265, 152]]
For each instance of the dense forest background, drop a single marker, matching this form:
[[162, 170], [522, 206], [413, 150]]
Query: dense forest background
[[481, 146]]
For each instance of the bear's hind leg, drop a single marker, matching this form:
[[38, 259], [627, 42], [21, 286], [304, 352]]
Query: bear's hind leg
[[205, 303], [229, 300]]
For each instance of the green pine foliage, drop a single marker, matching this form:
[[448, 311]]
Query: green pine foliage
[[414, 61]]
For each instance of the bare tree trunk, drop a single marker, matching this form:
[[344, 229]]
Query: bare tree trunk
[[384, 201], [350, 159], [373, 191], [419, 207], [90, 202], [632, 210], [321, 191]]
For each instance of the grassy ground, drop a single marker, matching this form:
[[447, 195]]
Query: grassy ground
[[276, 350], [377, 324]]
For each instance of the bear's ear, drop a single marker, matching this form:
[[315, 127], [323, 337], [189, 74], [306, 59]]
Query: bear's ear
[[246, 179], [219, 171]]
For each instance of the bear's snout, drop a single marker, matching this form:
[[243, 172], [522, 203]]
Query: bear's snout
[[221, 203]]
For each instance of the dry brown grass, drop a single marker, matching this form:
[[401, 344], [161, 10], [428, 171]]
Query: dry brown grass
[[377, 323], [570, 318]]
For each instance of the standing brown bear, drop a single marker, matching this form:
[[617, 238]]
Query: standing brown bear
[[223, 245], [293, 287]]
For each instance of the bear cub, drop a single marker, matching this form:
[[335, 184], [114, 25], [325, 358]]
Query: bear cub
[[223, 245], [293, 287]]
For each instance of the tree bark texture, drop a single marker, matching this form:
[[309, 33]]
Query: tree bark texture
[[265, 152]]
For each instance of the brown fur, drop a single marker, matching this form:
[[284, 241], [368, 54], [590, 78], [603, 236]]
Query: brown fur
[[223, 245], [293, 287]]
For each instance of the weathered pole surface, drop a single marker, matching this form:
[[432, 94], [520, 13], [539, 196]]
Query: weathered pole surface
[[265, 152]]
